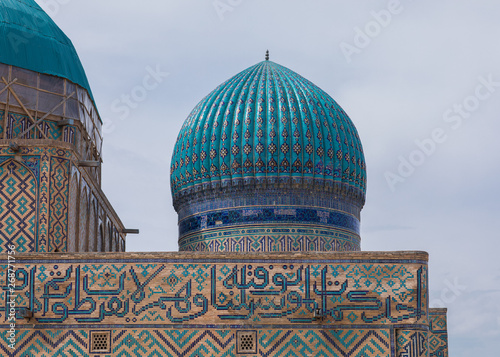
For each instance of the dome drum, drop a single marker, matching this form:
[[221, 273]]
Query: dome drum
[[218, 220], [241, 196]]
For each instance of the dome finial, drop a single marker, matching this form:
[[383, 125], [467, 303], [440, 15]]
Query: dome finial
[[267, 55]]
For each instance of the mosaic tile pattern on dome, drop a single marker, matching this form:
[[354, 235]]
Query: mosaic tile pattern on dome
[[267, 123]]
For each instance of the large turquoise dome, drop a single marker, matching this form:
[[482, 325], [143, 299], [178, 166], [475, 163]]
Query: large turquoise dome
[[29, 39], [267, 137]]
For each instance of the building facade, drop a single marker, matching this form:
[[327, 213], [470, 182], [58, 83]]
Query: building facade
[[50, 142], [268, 178]]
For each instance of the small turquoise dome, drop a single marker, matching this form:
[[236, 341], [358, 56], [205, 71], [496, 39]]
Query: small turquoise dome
[[268, 162], [268, 123], [29, 39]]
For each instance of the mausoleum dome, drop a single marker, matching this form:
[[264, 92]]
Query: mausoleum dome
[[267, 139], [29, 39]]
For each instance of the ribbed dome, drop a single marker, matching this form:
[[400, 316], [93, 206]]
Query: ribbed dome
[[268, 123], [268, 162], [29, 39]]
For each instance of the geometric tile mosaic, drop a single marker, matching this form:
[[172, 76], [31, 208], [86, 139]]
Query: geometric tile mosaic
[[267, 123], [262, 238], [34, 188], [59, 196], [438, 334], [18, 207], [195, 343], [221, 291], [412, 343]]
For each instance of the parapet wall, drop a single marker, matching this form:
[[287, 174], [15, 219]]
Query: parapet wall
[[438, 337], [187, 304]]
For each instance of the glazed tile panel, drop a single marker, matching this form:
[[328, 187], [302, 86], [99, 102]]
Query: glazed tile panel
[[267, 123], [271, 238], [438, 334], [197, 343], [34, 187], [278, 215], [271, 229], [412, 343], [156, 292], [36, 213], [18, 205]]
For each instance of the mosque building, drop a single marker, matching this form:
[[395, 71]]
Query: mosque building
[[268, 179]]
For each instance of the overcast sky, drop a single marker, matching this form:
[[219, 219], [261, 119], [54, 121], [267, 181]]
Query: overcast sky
[[419, 79]]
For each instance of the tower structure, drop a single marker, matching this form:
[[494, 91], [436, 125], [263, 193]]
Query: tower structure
[[50, 142]]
